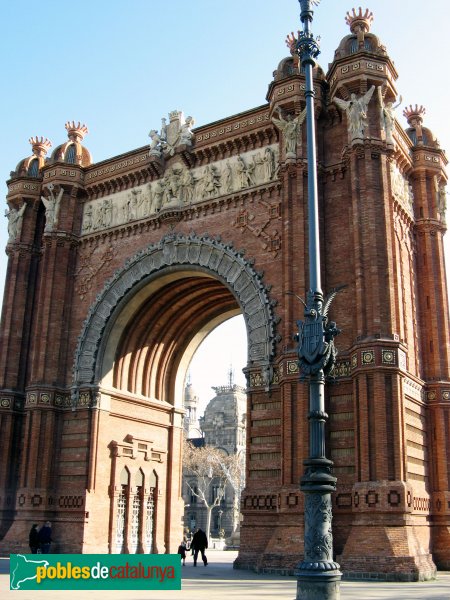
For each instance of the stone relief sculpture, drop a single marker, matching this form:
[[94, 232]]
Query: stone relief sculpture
[[132, 206], [104, 215], [291, 127], [387, 116], [401, 189], [158, 195], [243, 176], [180, 187], [441, 198], [15, 219], [210, 182], [187, 185], [356, 110], [269, 164], [52, 204], [155, 144], [163, 135], [178, 132], [171, 183], [186, 134], [229, 177]]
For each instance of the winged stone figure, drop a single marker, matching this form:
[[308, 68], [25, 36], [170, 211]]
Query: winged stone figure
[[356, 110], [15, 221], [387, 116], [291, 128], [52, 204]]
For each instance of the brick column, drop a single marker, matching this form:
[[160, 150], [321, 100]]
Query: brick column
[[18, 314]]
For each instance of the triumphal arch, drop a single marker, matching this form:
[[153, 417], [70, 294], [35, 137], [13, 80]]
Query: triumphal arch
[[117, 270]]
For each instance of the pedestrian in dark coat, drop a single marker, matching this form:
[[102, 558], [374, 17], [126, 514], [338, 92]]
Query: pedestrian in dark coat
[[182, 551], [33, 539], [45, 537], [199, 544]]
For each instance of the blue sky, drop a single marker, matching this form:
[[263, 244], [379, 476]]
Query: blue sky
[[121, 66]]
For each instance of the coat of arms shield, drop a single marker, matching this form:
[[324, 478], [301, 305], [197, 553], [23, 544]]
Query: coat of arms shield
[[312, 340]]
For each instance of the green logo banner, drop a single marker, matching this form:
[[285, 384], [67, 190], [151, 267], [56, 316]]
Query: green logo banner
[[95, 572]]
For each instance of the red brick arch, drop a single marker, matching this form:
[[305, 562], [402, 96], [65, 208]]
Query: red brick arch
[[177, 267]]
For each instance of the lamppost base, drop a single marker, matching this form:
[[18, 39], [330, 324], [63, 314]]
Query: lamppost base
[[318, 581]]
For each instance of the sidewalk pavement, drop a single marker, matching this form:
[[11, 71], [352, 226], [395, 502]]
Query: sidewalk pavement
[[219, 581]]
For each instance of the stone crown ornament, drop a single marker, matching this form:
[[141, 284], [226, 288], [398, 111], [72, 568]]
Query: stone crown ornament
[[359, 21], [414, 114], [40, 145], [76, 131]]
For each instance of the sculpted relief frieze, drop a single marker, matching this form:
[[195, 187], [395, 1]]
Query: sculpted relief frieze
[[181, 187], [401, 189]]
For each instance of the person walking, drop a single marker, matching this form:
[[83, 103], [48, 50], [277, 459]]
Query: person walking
[[33, 539], [199, 544], [182, 551], [45, 537]]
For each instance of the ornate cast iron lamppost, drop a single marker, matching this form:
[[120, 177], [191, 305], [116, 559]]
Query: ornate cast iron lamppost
[[318, 576]]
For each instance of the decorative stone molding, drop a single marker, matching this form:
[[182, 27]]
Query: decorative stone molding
[[89, 268], [48, 398], [133, 448], [211, 255]]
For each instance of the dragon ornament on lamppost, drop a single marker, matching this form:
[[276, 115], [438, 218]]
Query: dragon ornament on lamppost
[[318, 576]]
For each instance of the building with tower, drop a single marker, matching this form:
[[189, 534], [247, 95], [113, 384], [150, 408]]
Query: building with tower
[[191, 422], [224, 428], [117, 270]]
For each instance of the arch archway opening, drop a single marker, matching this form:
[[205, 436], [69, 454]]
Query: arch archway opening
[[219, 360], [156, 333]]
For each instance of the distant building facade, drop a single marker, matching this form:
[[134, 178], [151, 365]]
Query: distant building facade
[[223, 427], [191, 423]]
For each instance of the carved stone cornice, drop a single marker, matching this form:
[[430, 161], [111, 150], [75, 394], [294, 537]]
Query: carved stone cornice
[[24, 187], [60, 238], [428, 160], [21, 249], [64, 174], [431, 227]]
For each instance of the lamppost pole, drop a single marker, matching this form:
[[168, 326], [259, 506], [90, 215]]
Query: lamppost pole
[[318, 576]]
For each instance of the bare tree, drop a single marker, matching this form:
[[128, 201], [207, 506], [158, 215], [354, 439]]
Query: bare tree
[[233, 467], [204, 476]]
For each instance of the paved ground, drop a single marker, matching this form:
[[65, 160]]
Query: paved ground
[[219, 581]]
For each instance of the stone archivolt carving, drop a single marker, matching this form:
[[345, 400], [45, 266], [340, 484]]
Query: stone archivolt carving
[[181, 187], [183, 251]]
